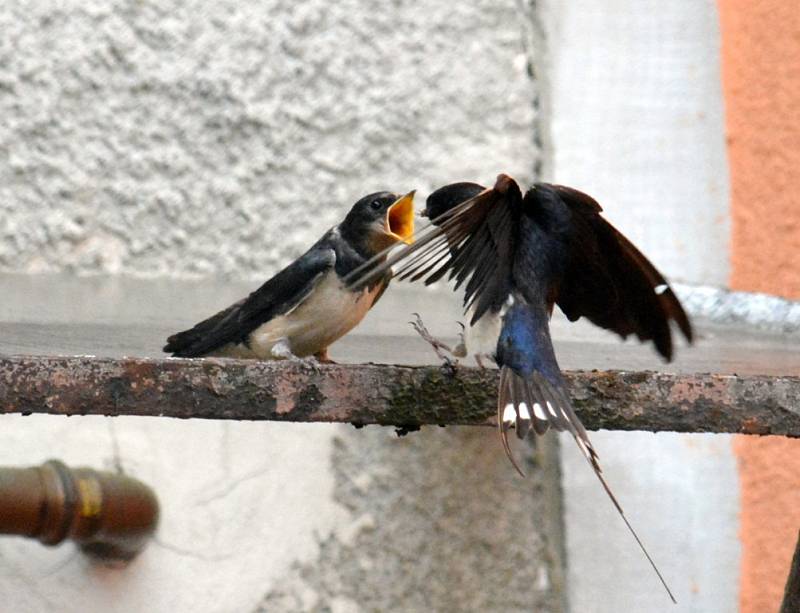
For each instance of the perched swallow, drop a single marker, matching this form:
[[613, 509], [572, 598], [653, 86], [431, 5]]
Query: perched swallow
[[307, 306], [519, 255]]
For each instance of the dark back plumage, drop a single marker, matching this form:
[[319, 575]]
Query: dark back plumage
[[341, 250], [277, 296]]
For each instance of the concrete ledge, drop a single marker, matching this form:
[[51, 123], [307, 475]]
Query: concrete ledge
[[386, 395]]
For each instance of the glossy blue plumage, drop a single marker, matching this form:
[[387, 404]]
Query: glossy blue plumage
[[524, 344]]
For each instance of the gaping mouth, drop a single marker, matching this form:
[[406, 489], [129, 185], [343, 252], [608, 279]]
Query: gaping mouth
[[400, 218]]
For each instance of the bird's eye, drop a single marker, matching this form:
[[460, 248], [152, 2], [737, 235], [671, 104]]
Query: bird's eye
[[375, 205]]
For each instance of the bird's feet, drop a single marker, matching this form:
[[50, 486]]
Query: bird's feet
[[460, 350], [438, 346], [322, 357]]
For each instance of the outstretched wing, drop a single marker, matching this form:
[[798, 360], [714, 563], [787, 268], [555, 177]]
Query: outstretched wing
[[280, 294], [472, 243], [607, 279], [587, 267]]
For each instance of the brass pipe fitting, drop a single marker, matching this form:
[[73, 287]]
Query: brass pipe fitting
[[109, 515]]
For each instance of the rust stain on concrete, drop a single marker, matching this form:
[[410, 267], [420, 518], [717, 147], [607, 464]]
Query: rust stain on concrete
[[386, 395]]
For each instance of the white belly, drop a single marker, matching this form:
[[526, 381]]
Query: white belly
[[481, 339], [329, 312]]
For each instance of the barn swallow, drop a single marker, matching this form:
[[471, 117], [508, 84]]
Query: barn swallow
[[307, 306], [519, 255]]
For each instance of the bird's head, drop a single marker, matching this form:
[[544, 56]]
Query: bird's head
[[445, 198], [380, 220]]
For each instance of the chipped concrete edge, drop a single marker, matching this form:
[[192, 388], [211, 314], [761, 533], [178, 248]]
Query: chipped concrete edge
[[728, 307]]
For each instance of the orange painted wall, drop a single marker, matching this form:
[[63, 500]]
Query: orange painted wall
[[761, 85]]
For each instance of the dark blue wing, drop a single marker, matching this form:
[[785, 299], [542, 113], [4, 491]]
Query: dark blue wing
[[601, 275]]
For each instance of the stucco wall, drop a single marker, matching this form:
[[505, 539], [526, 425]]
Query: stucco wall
[[284, 518], [191, 138], [201, 139], [187, 138]]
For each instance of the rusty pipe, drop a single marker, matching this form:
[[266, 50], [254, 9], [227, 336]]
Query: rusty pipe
[[108, 515]]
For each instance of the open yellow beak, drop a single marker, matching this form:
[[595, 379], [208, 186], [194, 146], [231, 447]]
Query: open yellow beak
[[400, 218]]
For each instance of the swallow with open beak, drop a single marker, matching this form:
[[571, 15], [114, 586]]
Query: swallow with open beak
[[517, 255], [307, 306]]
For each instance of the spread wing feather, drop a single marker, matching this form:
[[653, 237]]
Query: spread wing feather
[[610, 282], [603, 276], [472, 243]]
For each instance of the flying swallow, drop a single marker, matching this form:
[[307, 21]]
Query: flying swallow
[[307, 306], [517, 255]]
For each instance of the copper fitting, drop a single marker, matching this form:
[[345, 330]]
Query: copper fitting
[[109, 515]]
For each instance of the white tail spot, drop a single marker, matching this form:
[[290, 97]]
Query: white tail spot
[[524, 413], [551, 410], [537, 410], [509, 414]]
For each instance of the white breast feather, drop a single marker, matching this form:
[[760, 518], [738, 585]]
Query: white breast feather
[[482, 337], [328, 313]]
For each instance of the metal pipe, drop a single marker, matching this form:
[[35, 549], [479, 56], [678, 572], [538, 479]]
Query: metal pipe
[[109, 515]]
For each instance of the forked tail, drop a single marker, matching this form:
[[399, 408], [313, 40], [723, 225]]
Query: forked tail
[[536, 403]]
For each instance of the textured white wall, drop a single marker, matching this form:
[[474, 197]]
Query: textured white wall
[[220, 138], [187, 138], [274, 517], [191, 138], [232, 523]]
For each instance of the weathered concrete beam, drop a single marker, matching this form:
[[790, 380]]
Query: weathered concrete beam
[[388, 395]]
